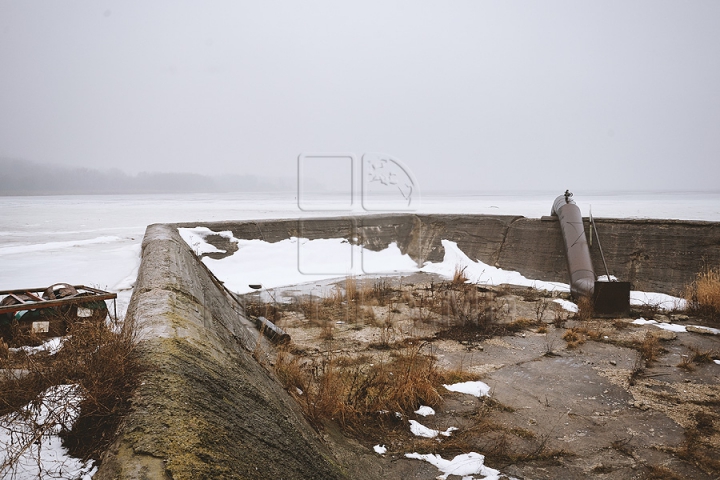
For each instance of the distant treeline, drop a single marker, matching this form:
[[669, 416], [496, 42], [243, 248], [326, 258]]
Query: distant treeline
[[19, 177]]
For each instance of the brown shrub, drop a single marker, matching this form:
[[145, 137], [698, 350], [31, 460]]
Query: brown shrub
[[355, 394], [102, 361], [703, 295], [586, 309], [459, 277], [699, 355], [574, 337], [649, 348]]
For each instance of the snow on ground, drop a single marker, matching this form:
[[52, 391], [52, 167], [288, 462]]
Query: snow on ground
[[420, 430], [380, 449], [660, 300], [717, 361], [51, 346], [55, 410], [674, 327], [465, 465], [665, 326], [478, 389], [95, 240], [298, 261], [424, 410], [567, 305], [294, 260], [195, 237], [482, 273]]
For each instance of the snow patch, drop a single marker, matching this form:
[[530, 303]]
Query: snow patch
[[380, 449], [659, 300], [713, 331], [463, 465], [195, 237], [482, 273], [478, 389], [665, 326], [54, 410], [420, 430], [52, 346], [425, 411], [605, 278], [567, 305]]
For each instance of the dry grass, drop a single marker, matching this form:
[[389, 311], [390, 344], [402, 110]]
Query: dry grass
[[698, 355], [574, 337], [686, 363], [102, 361], [586, 309], [649, 348], [459, 277], [703, 295], [520, 324], [560, 315], [697, 452], [361, 396]]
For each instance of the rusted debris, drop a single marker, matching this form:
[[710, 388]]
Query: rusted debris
[[36, 313], [272, 331]]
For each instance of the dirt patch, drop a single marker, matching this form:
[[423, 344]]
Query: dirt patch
[[601, 397]]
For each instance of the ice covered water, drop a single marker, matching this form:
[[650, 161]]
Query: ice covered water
[[95, 239]]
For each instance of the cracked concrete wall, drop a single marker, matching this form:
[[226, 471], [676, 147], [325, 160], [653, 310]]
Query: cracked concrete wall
[[654, 255]]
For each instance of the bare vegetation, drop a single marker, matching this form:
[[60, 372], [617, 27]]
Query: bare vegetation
[[362, 396], [369, 353], [703, 295], [101, 361]]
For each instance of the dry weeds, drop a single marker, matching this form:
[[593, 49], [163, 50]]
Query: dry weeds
[[101, 360], [703, 295]]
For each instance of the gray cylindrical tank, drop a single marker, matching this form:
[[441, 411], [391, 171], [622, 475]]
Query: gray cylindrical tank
[[582, 274]]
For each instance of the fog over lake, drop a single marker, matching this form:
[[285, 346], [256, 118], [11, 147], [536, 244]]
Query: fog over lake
[[473, 96]]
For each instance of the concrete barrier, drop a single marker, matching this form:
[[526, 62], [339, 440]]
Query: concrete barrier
[[654, 255], [206, 408]]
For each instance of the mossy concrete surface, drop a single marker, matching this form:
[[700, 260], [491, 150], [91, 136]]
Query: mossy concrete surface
[[206, 408]]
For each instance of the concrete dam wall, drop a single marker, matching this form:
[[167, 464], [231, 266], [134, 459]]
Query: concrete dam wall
[[207, 409], [654, 255]]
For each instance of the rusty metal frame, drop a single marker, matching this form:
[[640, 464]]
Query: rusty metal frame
[[41, 303]]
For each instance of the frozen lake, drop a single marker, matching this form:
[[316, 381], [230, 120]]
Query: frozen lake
[[95, 239]]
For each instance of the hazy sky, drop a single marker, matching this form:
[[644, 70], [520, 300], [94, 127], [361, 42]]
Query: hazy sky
[[470, 94]]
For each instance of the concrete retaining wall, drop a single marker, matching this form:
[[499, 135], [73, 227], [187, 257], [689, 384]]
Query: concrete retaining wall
[[654, 255], [206, 409]]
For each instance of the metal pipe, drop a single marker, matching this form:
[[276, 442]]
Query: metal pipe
[[597, 235], [580, 268], [272, 331]]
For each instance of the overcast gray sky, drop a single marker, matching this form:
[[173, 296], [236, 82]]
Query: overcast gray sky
[[470, 94]]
